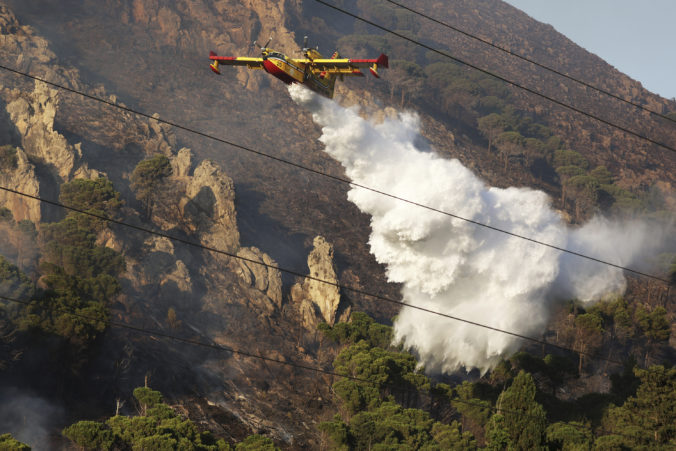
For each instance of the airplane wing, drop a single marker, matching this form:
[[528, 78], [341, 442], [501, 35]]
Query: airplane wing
[[251, 63], [347, 66]]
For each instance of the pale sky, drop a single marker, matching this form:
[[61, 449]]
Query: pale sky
[[634, 36]]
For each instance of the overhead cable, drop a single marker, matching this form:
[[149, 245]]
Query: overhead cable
[[501, 78], [535, 63], [309, 277], [327, 175]]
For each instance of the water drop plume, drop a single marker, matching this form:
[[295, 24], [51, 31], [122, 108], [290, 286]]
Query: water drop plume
[[455, 267]]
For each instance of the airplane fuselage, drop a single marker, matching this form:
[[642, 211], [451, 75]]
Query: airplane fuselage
[[291, 71]]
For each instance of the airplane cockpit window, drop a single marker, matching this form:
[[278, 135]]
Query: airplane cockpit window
[[276, 55]]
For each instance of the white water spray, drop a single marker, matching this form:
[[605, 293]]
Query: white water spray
[[455, 267]]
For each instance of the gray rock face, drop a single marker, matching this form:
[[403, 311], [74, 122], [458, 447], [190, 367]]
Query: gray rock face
[[180, 276], [265, 277], [181, 164], [159, 267], [161, 138], [20, 40], [210, 207], [23, 179], [33, 117], [318, 301], [30, 121]]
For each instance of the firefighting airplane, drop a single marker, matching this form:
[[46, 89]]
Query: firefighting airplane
[[317, 73]]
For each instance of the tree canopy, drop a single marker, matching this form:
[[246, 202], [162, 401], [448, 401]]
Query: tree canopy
[[157, 427], [648, 419], [147, 177], [9, 443]]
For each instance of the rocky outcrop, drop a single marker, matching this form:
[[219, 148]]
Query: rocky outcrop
[[272, 17], [19, 40], [157, 266], [33, 116], [178, 276], [30, 122], [258, 269], [24, 50], [21, 178], [160, 137], [181, 163], [318, 301], [209, 207], [108, 238]]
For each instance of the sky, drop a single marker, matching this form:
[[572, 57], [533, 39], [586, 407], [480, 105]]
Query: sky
[[634, 36]]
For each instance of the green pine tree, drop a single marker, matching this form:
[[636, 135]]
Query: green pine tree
[[519, 416]]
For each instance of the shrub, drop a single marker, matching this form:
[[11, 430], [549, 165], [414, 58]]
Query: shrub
[[8, 158]]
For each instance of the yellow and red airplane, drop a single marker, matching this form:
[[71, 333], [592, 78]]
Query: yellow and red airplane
[[317, 73]]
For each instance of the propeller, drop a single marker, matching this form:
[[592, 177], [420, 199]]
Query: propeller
[[305, 43], [266, 44]]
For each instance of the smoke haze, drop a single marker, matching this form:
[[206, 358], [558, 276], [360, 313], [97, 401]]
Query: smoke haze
[[461, 269], [29, 418]]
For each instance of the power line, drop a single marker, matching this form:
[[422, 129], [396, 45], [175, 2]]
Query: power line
[[542, 66], [325, 174], [501, 78], [215, 346], [310, 277]]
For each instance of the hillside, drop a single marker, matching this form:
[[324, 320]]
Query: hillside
[[150, 55]]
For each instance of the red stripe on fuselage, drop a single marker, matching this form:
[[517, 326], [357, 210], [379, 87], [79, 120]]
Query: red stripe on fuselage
[[270, 68], [363, 61]]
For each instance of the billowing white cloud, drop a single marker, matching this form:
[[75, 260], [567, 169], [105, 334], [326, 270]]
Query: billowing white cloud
[[455, 267]]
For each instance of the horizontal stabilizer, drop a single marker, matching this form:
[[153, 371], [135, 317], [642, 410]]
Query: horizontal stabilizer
[[214, 65]]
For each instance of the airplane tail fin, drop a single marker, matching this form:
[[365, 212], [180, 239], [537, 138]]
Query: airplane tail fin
[[214, 65], [381, 61]]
